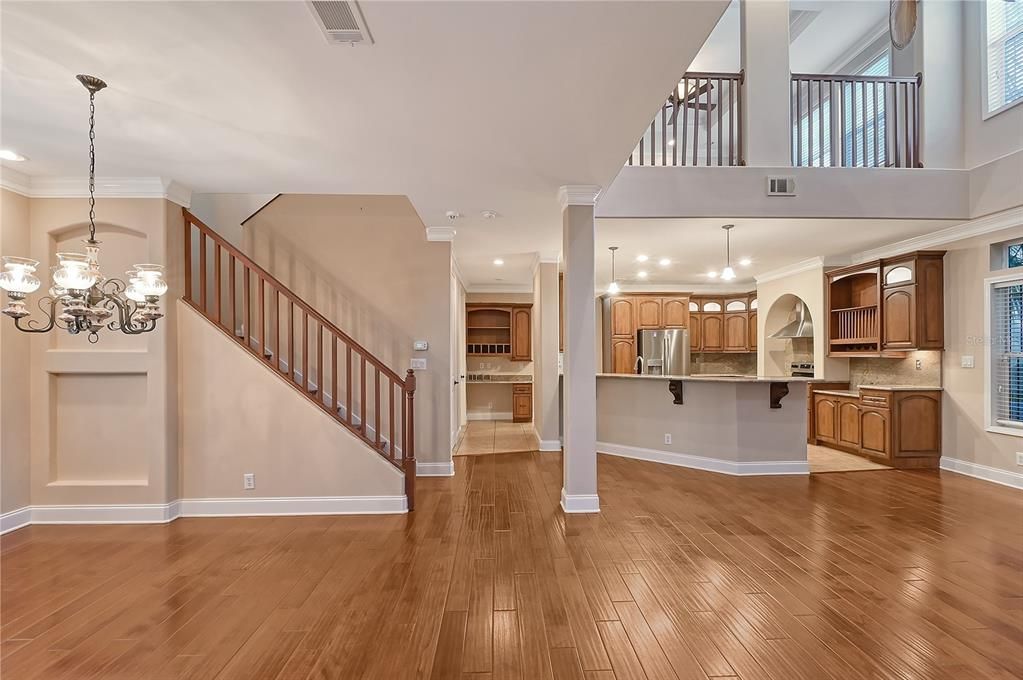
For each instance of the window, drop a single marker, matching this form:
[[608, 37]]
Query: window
[[1005, 361], [1003, 55], [1014, 255]]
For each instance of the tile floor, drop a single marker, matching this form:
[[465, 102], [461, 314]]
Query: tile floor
[[496, 436], [823, 459]]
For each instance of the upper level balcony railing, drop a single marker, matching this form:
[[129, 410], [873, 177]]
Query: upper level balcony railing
[[855, 121], [699, 124]]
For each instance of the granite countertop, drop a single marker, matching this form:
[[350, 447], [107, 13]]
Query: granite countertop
[[498, 378], [883, 388], [708, 378]]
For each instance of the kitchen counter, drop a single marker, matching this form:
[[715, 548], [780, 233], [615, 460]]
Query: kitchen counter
[[709, 378], [498, 378], [882, 388]]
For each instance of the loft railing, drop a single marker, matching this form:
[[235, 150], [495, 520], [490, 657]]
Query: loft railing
[[699, 124], [855, 121], [313, 355]]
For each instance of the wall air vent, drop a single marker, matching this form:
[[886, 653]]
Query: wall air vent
[[342, 22], [781, 186]]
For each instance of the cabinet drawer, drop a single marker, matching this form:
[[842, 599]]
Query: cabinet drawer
[[875, 398], [522, 388]]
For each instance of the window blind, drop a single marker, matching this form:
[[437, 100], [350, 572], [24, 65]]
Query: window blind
[[1007, 353], [1004, 53]]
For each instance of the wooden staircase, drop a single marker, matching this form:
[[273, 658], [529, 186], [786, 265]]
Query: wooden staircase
[[301, 346]]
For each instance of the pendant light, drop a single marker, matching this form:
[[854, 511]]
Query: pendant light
[[612, 288], [727, 274], [89, 301]]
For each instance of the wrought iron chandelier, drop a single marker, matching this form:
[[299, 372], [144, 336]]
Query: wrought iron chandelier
[[88, 300]]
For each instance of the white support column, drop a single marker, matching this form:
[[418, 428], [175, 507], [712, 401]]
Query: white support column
[[764, 49], [546, 321], [579, 463]]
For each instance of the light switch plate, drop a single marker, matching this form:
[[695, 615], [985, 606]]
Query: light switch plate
[[966, 361], [420, 345], [418, 365], [249, 481]]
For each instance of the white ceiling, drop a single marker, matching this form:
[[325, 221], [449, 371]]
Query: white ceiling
[[837, 30], [465, 106], [695, 246]]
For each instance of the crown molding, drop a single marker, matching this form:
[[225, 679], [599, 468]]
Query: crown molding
[[106, 187], [789, 270], [1006, 219], [686, 288], [549, 258], [499, 288], [440, 234], [578, 194]]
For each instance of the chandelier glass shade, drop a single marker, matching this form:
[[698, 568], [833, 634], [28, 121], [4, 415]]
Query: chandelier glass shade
[[82, 299]]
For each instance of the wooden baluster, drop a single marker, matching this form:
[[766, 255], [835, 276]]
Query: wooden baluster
[[333, 375], [202, 269], [348, 384], [664, 135], [799, 125], [362, 396], [390, 419], [873, 87], [232, 291], [653, 142], [376, 406], [641, 150], [707, 119], [305, 350], [916, 121], [684, 103], [696, 121], [320, 388], [740, 151], [216, 284], [720, 149], [863, 91], [820, 121], [188, 261], [809, 123], [852, 122], [674, 127], [409, 450], [247, 306], [278, 355], [731, 121], [262, 322], [905, 117], [841, 122], [291, 340]]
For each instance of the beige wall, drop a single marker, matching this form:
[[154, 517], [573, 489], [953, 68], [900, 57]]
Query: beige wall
[[237, 417], [226, 212], [15, 476], [546, 325], [967, 264], [365, 264], [103, 416]]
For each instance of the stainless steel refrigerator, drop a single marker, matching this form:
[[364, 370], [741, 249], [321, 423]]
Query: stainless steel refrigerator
[[662, 352]]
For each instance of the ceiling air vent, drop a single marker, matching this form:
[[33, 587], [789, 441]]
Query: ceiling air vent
[[342, 22], [781, 186]]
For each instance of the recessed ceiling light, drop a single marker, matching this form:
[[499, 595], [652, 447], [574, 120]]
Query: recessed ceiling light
[[498, 262], [712, 275], [745, 262], [671, 142], [641, 275], [489, 214], [642, 258], [9, 155], [664, 262]]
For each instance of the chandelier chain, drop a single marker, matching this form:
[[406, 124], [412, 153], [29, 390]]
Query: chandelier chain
[[92, 167]]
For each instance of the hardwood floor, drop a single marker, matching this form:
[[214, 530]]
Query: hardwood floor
[[483, 437], [684, 574]]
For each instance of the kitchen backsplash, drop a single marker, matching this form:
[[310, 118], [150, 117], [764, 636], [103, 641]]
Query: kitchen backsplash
[[731, 364], [872, 371], [497, 365]]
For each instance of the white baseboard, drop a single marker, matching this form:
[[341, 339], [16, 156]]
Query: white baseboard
[[152, 513], [442, 469], [326, 505], [580, 503], [728, 467], [985, 472], [15, 519], [550, 444], [489, 415]]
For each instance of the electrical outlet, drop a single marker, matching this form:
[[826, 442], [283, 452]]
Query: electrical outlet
[[249, 481], [919, 365], [667, 438], [966, 361], [418, 365], [1019, 458]]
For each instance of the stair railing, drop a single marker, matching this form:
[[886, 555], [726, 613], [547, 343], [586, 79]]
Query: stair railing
[[313, 355]]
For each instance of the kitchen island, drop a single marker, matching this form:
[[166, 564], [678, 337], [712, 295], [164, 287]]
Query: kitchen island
[[740, 425]]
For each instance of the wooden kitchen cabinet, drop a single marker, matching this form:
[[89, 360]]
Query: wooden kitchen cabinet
[[522, 334], [623, 318], [675, 312], [623, 355], [752, 343], [898, 307], [522, 402], [736, 327], [875, 431], [825, 416], [849, 422], [648, 312]]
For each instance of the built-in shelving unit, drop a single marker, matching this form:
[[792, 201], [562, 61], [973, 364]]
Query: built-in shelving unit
[[488, 332], [855, 300]]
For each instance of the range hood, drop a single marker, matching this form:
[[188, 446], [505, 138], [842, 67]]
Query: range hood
[[802, 327]]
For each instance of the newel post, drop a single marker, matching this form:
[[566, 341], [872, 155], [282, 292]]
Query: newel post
[[188, 253], [409, 454]]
